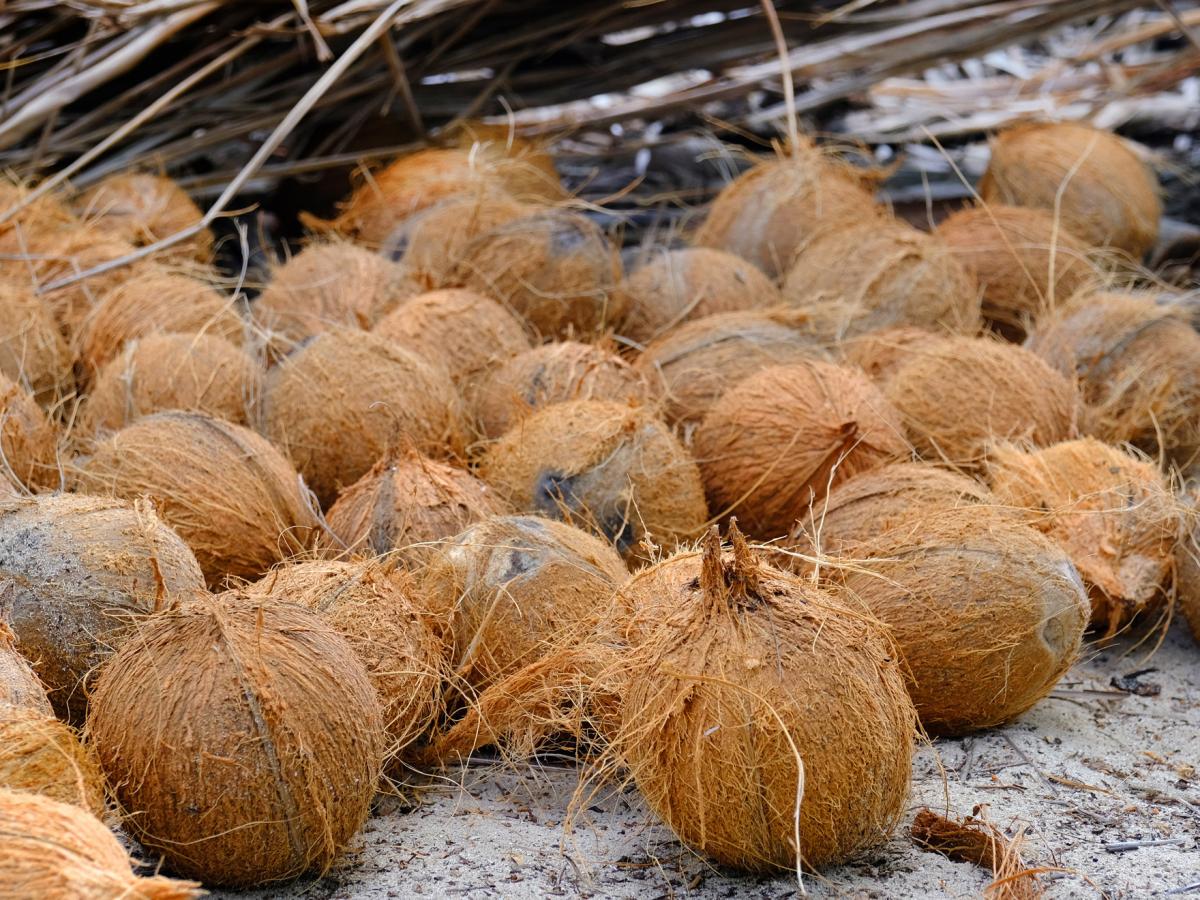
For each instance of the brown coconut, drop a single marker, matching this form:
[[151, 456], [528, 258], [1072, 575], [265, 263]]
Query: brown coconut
[[1139, 367], [525, 164], [676, 286], [45, 214], [771, 213], [371, 604], [1187, 566], [552, 373], [957, 395], [326, 285], [746, 760], [42, 755], [987, 612], [611, 469], [466, 332], [1098, 187], [344, 401], [552, 267], [408, 505], [880, 353], [32, 350], [1024, 263], [194, 372], [515, 588], [1113, 512], [28, 440], [229, 493], [275, 732], [877, 275], [142, 208], [19, 685], [79, 571], [776, 442], [56, 850], [693, 365]]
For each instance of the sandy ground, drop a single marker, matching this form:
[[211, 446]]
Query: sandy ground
[[1090, 766]]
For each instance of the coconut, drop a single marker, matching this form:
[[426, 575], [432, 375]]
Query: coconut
[[771, 213], [1187, 568], [513, 588], [676, 286], [196, 372], [369, 603], [776, 442], [275, 732], [525, 164], [988, 613], [142, 208], [877, 275], [1023, 262], [56, 850], [42, 755], [464, 331], [326, 285], [19, 686], [957, 395], [340, 404], [28, 441], [611, 469], [32, 350], [880, 353], [726, 738], [408, 504], [1139, 366], [154, 302], [232, 496], [1089, 179], [552, 373], [47, 213], [77, 572], [552, 267], [692, 366], [1113, 512]]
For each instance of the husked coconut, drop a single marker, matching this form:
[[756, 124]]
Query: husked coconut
[[28, 440], [19, 685], [42, 755], [32, 350], [142, 208]]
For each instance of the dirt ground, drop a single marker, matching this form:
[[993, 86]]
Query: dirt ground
[[1090, 767]]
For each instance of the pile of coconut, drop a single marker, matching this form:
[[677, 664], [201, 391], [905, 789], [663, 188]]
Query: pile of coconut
[[736, 525]]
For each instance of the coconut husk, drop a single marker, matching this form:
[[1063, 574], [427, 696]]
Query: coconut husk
[[552, 267], [328, 284], [142, 208], [229, 493], [19, 685], [978, 841], [408, 505], [1187, 567], [32, 350], [52, 849], [28, 440], [721, 732], [775, 443], [513, 390], [464, 331], [371, 604], [676, 286], [193, 372], [1024, 263], [46, 214], [276, 733], [42, 755], [987, 612], [611, 469], [880, 353], [957, 395], [1090, 179], [526, 165], [344, 401], [877, 275], [692, 366], [79, 571], [1139, 367], [769, 214], [1113, 512]]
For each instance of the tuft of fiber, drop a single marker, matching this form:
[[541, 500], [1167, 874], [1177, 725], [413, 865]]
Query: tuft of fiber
[[343, 402], [1090, 179], [229, 493], [611, 469], [80, 571], [880, 353], [28, 439], [775, 443], [19, 685], [552, 373], [978, 841], [32, 350], [51, 849], [276, 737], [1113, 512], [42, 755], [142, 208]]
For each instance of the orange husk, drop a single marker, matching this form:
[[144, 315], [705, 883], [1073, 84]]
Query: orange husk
[[32, 350], [978, 841], [28, 439], [42, 755], [142, 208], [1187, 565]]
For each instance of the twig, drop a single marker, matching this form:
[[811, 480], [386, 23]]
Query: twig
[[1123, 846]]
